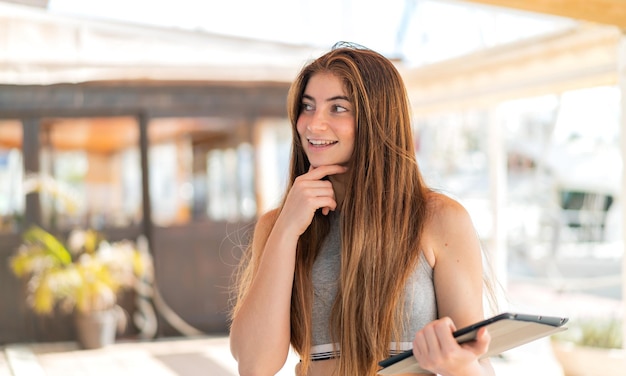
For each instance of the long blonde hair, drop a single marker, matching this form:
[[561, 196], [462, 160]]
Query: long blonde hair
[[382, 214]]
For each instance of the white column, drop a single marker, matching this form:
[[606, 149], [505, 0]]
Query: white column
[[621, 70], [498, 192]]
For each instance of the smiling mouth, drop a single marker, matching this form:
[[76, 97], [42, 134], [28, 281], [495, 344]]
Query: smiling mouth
[[321, 142]]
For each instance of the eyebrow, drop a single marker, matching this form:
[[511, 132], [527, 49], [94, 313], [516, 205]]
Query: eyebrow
[[337, 97]]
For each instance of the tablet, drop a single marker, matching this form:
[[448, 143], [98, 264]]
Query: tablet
[[507, 330]]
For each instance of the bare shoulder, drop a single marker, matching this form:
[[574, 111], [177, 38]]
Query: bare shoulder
[[266, 220], [443, 210], [263, 227], [456, 253], [448, 226]]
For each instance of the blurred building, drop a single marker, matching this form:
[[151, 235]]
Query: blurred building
[[181, 136], [138, 130]]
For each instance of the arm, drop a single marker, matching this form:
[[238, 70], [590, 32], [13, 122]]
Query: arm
[[260, 331], [454, 247]]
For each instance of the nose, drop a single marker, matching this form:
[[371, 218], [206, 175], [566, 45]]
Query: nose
[[318, 122]]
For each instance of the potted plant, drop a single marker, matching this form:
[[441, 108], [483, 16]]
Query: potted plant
[[82, 276], [591, 346]]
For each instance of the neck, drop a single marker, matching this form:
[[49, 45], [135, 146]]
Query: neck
[[339, 186]]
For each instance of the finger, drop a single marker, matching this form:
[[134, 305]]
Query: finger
[[320, 192], [448, 321], [420, 347], [318, 187], [321, 202], [432, 339], [327, 204], [481, 344], [483, 336], [326, 170], [444, 336]]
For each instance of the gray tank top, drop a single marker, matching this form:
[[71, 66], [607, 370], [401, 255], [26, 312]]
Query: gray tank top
[[420, 303]]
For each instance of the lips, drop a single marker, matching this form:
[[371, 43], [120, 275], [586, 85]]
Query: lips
[[321, 142]]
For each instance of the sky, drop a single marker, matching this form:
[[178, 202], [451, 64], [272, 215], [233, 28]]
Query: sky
[[419, 31]]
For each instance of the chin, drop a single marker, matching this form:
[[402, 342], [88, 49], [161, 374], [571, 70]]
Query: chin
[[316, 165]]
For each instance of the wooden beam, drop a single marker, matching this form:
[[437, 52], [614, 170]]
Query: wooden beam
[[568, 60], [609, 12], [156, 98], [30, 150]]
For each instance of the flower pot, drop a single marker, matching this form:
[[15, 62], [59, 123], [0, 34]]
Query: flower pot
[[96, 329], [589, 361]]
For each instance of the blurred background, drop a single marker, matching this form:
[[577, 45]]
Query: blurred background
[[168, 120]]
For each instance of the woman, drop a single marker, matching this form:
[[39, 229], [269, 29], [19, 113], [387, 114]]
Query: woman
[[361, 260]]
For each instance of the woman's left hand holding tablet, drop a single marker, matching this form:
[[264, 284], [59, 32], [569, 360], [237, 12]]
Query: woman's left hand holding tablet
[[436, 349]]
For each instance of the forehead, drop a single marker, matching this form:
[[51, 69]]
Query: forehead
[[324, 84]]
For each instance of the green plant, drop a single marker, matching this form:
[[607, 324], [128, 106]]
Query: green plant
[[593, 332], [85, 274]]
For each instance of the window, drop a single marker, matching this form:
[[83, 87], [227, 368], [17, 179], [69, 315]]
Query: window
[[11, 176], [90, 170]]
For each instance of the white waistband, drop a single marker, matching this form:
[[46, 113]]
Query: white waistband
[[329, 351]]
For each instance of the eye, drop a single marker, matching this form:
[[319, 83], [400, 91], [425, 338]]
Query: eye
[[339, 108], [306, 107]]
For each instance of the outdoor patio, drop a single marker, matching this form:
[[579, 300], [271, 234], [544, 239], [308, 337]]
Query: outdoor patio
[[184, 356]]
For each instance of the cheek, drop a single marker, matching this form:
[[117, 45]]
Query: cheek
[[348, 132], [300, 127], [352, 135]]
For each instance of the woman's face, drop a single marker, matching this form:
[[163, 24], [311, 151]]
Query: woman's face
[[326, 123]]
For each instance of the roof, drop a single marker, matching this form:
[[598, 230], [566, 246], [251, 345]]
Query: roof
[[607, 12], [39, 47]]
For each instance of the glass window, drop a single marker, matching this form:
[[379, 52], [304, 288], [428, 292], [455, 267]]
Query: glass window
[[11, 176], [230, 183], [273, 154], [90, 173], [164, 183]]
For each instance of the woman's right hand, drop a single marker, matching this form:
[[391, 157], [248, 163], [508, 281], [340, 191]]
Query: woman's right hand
[[309, 193], [260, 331]]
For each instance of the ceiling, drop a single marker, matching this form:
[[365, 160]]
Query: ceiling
[[34, 3], [587, 54], [609, 12], [577, 58]]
